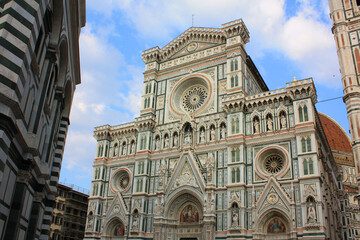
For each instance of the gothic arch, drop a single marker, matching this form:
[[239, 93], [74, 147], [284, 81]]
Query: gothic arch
[[179, 199], [266, 218], [111, 226]]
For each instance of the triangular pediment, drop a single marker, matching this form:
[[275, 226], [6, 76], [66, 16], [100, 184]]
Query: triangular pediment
[[273, 196], [117, 208], [186, 173], [192, 47]]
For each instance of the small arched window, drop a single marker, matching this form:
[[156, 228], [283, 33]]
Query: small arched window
[[115, 149], [303, 144], [232, 65], [232, 82], [305, 166], [311, 166], [237, 174], [236, 81], [306, 117], [236, 64], [301, 117], [308, 143]]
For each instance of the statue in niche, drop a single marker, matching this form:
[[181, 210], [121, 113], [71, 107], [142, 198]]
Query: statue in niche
[[202, 136], [311, 214], [123, 149], [311, 211], [176, 140], [157, 143], [212, 134], [132, 147], [90, 224], [269, 123], [135, 224], [166, 142], [187, 134], [187, 138], [235, 219], [222, 132], [282, 120], [256, 125]]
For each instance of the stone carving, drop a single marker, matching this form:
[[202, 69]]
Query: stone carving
[[135, 224], [157, 143], [187, 138], [132, 148], [162, 174], [210, 165], [222, 132], [282, 121], [235, 218], [256, 125], [90, 224], [186, 177], [311, 218], [202, 136], [269, 123], [212, 134], [123, 149], [176, 140], [166, 142]]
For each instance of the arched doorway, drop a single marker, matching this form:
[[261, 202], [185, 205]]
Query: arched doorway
[[185, 216], [274, 224], [115, 229]]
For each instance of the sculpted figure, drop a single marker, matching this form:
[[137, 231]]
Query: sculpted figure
[[311, 214], [222, 132], [166, 145], [256, 125], [283, 121], [202, 136], [212, 134], [269, 123], [157, 144], [176, 140]]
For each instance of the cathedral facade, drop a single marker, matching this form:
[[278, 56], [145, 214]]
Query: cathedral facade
[[214, 153]]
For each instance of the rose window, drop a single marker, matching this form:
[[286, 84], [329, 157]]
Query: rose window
[[121, 180], [273, 164], [194, 98], [124, 180]]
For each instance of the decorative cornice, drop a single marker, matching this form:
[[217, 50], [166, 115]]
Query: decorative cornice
[[212, 35]]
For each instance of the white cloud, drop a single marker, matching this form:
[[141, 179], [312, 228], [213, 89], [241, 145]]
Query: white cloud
[[305, 37]]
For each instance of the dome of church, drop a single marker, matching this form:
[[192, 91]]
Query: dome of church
[[336, 135]]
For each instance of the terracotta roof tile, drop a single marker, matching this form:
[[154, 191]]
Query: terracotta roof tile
[[336, 136]]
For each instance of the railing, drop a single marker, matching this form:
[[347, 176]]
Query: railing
[[76, 188]]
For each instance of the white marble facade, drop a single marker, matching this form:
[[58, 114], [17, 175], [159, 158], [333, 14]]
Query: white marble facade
[[214, 153]]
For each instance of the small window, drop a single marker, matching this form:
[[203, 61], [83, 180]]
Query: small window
[[301, 117]]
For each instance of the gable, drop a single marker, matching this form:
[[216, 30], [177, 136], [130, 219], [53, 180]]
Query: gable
[[192, 47], [186, 173]]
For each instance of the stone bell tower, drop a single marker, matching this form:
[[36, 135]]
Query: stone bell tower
[[345, 16]]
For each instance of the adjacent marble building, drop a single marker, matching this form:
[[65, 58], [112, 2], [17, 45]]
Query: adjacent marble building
[[39, 71], [215, 154], [345, 15]]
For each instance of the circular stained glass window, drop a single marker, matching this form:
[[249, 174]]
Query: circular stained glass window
[[193, 98], [124, 180], [121, 180], [273, 164]]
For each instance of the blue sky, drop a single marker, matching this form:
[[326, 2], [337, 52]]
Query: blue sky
[[287, 39]]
